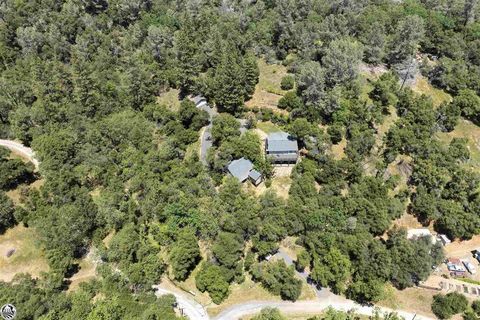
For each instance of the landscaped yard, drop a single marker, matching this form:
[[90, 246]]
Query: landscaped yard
[[28, 257]]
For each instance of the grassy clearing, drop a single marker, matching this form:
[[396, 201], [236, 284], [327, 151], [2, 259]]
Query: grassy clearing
[[170, 99], [28, 257], [268, 91], [87, 271], [271, 76], [468, 280], [466, 129], [268, 127], [412, 299], [422, 86], [338, 150]]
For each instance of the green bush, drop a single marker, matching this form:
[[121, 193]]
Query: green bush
[[445, 306], [288, 82]]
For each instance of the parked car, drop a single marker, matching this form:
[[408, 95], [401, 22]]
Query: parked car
[[470, 267]]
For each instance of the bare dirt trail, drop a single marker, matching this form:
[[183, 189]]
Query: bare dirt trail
[[21, 149]]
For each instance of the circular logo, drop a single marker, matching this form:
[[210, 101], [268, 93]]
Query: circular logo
[[8, 311]]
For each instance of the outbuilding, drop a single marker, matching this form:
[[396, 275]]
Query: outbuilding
[[242, 169]]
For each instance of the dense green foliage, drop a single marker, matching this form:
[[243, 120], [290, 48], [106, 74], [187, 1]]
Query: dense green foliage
[[445, 306], [79, 82]]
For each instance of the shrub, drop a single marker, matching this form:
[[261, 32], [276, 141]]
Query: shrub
[[288, 82], [445, 306]]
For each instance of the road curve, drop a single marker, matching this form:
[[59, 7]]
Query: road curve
[[20, 148], [195, 311], [192, 309], [308, 307]]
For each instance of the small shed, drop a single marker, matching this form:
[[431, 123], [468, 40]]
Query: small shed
[[242, 169], [255, 177]]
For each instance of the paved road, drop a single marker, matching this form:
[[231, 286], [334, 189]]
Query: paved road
[[306, 307], [192, 309], [20, 148], [206, 135]]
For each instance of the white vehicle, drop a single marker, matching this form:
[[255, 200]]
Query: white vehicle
[[469, 266]]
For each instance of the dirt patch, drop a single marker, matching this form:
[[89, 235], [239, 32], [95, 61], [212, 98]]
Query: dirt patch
[[408, 221], [338, 150], [461, 249], [28, 257], [87, 271]]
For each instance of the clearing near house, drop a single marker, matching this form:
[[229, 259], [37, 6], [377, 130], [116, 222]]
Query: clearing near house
[[267, 91]]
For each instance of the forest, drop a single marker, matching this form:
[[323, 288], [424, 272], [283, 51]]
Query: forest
[[79, 81]]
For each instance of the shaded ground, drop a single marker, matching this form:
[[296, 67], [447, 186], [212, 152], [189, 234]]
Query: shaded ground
[[28, 257]]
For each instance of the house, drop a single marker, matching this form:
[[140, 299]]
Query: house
[[242, 169], [455, 266], [199, 101], [281, 147]]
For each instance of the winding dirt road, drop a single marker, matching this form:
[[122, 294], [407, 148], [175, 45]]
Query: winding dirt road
[[21, 149]]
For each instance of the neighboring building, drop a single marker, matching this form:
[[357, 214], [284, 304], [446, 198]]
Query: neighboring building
[[242, 169], [455, 266], [470, 267], [281, 148]]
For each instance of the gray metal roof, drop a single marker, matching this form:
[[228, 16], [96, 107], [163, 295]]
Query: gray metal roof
[[281, 142], [199, 100], [255, 175], [240, 168]]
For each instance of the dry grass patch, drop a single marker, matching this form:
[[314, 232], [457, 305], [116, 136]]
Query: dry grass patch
[[87, 271], [170, 98], [422, 86], [28, 257], [268, 91], [268, 127], [470, 131], [416, 300], [338, 150]]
